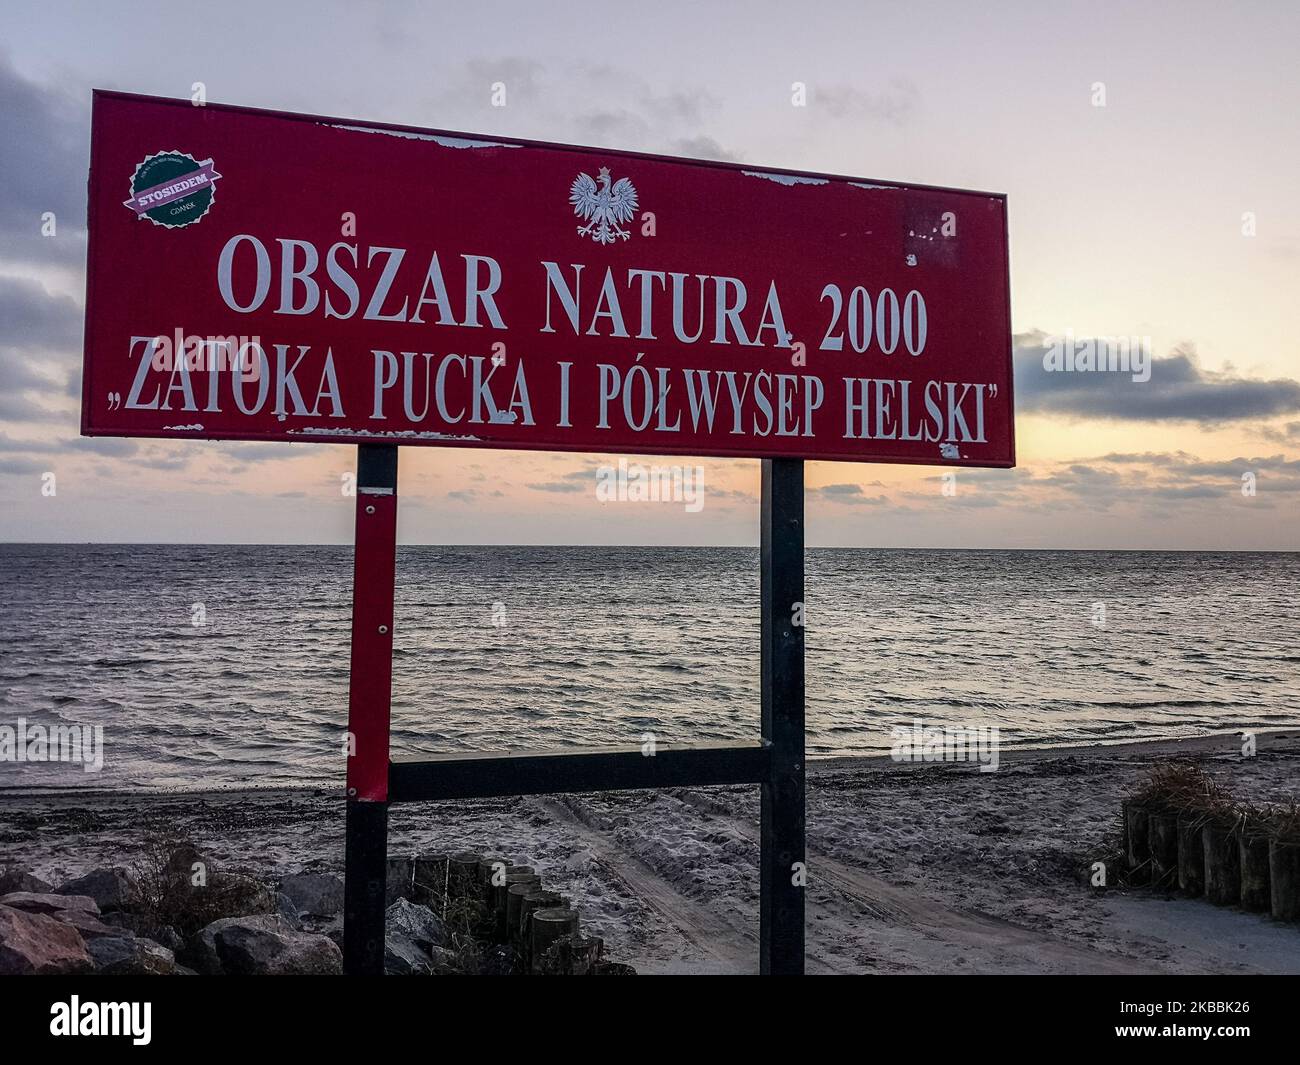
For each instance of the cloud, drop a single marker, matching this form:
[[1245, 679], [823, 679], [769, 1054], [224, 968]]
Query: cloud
[[39, 351], [34, 317], [1179, 390], [847, 493], [587, 103], [559, 486], [895, 104], [703, 148], [42, 168]]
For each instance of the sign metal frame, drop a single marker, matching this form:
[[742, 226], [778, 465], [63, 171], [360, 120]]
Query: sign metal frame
[[776, 762]]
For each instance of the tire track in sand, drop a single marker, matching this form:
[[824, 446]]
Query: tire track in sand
[[997, 945]]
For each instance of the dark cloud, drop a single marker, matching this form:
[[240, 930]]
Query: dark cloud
[[895, 104], [35, 318], [847, 493], [43, 164], [1178, 390], [560, 486]]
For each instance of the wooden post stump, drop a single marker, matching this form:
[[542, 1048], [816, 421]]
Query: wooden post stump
[[574, 955], [1191, 853], [1162, 832], [536, 899], [1222, 863], [463, 875], [431, 880], [1137, 849], [399, 881], [1284, 878], [500, 895], [548, 925], [515, 892], [1256, 892]]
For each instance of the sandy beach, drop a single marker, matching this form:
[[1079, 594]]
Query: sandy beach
[[920, 868]]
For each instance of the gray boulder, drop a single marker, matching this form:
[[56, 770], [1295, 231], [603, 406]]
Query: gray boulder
[[113, 889], [15, 878], [412, 934], [287, 908], [265, 944], [242, 894], [186, 862], [131, 956], [201, 951], [47, 903], [136, 924], [36, 943], [417, 923], [317, 894], [90, 926], [247, 950], [403, 958]]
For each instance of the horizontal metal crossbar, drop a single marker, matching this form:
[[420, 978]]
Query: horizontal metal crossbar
[[477, 776]]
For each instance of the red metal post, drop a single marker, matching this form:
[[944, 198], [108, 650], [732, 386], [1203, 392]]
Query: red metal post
[[369, 695]]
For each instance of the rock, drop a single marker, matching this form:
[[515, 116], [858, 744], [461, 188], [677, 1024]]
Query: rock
[[403, 958], [201, 951], [186, 862], [131, 956], [140, 925], [90, 926], [247, 950], [318, 894], [332, 928], [287, 909], [15, 878], [35, 943], [241, 895], [263, 944], [113, 889], [45, 902], [411, 932], [416, 923]]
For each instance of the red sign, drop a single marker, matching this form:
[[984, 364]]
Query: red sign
[[263, 276]]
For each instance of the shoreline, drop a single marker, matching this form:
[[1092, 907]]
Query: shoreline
[[913, 868], [1219, 742]]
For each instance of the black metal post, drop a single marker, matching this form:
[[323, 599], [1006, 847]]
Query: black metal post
[[364, 888], [369, 694], [782, 869]]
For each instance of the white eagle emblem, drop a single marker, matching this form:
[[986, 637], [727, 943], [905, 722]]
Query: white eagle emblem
[[603, 208]]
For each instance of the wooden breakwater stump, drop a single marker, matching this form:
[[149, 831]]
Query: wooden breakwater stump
[[1162, 832], [497, 901], [1191, 852], [550, 924], [539, 898], [1222, 861], [1284, 879], [399, 880], [573, 955], [490, 869], [516, 887], [502, 918], [462, 877], [429, 876], [1252, 850], [1137, 848]]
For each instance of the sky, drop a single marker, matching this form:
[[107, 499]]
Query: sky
[[1148, 152]]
